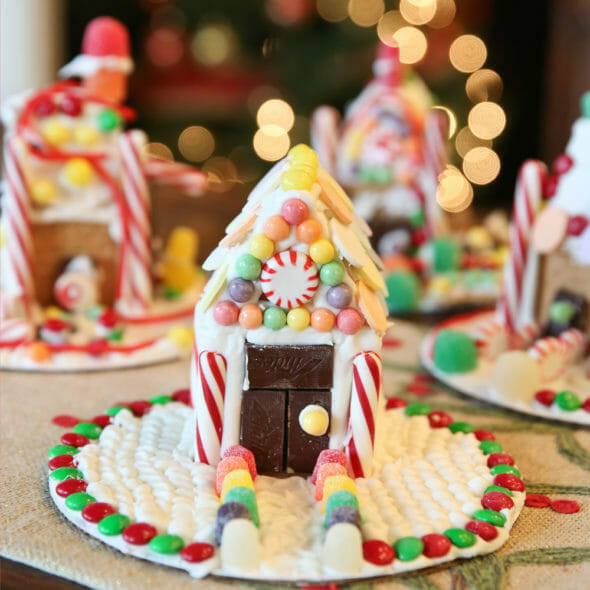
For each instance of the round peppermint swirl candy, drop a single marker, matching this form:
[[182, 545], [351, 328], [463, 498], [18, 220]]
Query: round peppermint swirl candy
[[289, 279]]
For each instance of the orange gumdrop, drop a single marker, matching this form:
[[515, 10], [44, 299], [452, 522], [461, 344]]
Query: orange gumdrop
[[327, 470], [225, 466], [39, 352]]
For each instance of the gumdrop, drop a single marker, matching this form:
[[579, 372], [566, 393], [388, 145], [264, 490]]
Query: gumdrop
[[238, 477], [248, 498], [244, 453], [227, 512], [328, 456], [340, 498], [344, 514], [225, 466], [325, 471], [337, 483]]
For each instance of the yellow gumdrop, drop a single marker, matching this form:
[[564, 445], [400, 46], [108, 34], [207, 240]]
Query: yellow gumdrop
[[440, 284], [298, 178], [501, 255], [321, 251], [261, 247], [181, 336], [335, 483], [52, 312], [55, 132], [43, 191], [314, 421], [86, 135], [182, 243], [179, 274], [237, 477], [78, 171], [478, 238], [303, 154], [298, 318]]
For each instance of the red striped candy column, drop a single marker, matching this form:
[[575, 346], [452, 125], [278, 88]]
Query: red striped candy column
[[180, 176]]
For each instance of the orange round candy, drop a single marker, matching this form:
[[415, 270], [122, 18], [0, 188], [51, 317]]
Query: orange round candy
[[39, 352], [309, 231], [250, 316], [225, 466], [322, 319], [276, 228]]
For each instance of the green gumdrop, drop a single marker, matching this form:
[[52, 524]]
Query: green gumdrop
[[63, 450], [461, 427], [460, 537], [408, 548], [404, 291], [248, 267], [339, 498], [454, 352], [274, 318], [568, 401], [561, 311], [585, 104], [446, 254], [113, 524], [88, 429], [418, 409], [332, 273], [496, 469], [247, 497], [491, 516], [79, 500], [498, 489], [490, 446], [166, 544]]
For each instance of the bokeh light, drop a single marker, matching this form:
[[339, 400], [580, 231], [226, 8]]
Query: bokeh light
[[484, 85], [388, 24], [465, 141], [468, 53], [444, 15], [412, 44], [486, 120], [365, 13], [334, 11], [481, 165], [451, 116], [418, 12], [196, 143], [214, 44], [261, 94], [165, 47], [271, 143], [454, 192], [275, 112], [159, 150]]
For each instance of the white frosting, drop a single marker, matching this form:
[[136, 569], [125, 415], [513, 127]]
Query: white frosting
[[87, 65]]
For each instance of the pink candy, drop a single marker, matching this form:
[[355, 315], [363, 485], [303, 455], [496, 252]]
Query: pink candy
[[328, 456], [226, 313], [294, 211], [349, 321], [244, 453]]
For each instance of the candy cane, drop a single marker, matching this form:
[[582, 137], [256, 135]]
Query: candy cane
[[208, 399], [366, 388], [324, 136], [551, 354], [575, 343], [15, 331], [18, 237], [180, 176], [137, 277], [492, 339]]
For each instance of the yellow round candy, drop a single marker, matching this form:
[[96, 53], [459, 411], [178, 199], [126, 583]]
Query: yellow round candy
[[501, 255], [298, 318], [298, 178], [181, 336], [440, 284], [303, 154], [314, 420], [86, 135], [52, 312], [261, 247], [55, 132], [42, 191], [321, 251], [78, 171], [478, 238]]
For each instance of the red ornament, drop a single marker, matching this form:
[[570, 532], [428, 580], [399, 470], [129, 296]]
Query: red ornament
[[103, 420], [496, 501], [395, 402], [74, 439], [436, 545], [499, 459], [65, 420], [565, 506], [61, 461], [562, 164], [96, 511], [139, 407], [537, 501], [509, 481], [439, 419], [550, 186], [485, 530], [70, 486], [182, 396], [483, 435], [577, 225], [71, 106], [545, 397], [378, 552], [196, 552], [139, 533]]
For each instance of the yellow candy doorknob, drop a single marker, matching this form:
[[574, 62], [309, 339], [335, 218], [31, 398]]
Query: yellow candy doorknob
[[314, 420], [43, 191], [78, 171]]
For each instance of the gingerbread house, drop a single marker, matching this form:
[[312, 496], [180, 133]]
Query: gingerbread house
[[288, 330]]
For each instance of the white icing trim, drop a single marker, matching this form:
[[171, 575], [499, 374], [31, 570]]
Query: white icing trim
[[87, 65]]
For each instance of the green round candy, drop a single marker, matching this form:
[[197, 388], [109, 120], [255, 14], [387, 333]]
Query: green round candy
[[113, 411], [160, 399], [247, 497], [561, 311], [417, 218], [454, 352], [113, 524], [274, 318], [332, 273], [88, 429], [63, 450], [62, 473], [167, 544], [568, 401], [490, 446], [382, 175], [418, 409], [115, 335], [248, 267], [404, 291], [79, 500], [460, 537], [408, 548], [585, 104], [339, 498], [446, 254], [504, 469], [490, 516], [95, 311], [108, 119], [498, 489], [461, 427]]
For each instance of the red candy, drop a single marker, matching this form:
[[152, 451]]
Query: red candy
[[562, 164], [565, 506], [182, 396], [139, 533], [65, 420], [70, 105], [496, 501], [483, 435], [225, 466], [537, 501], [349, 321], [423, 377], [44, 106], [139, 407], [244, 453], [499, 459], [54, 325], [418, 237], [439, 419], [485, 530], [418, 388], [295, 211], [97, 347], [586, 405], [226, 313], [74, 439], [328, 456], [378, 552], [70, 486], [96, 511], [576, 225], [395, 402], [550, 185], [61, 461], [509, 481], [545, 396], [436, 545], [196, 552], [108, 318], [103, 420]]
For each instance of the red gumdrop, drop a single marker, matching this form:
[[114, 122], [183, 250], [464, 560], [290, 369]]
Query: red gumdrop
[[586, 405], [485, 530], [71, 106], [418, 388], [438, 419], [139, 407], [60, 461], [395, 402], [70, 486], [565, 506], [562, 164], [96, 511], [44, 106], [139, 533], [576, 225], [328, 456], [196, 552], [550, 185], [182, 396], [103, 420], [65, 420], [224, 467], [325, 471], [378, 552], [483, 435], [499, 459], [509, 481], [436, 545], [244, 453], [496, 501], [537, 501], [74, 439], [545, 397]]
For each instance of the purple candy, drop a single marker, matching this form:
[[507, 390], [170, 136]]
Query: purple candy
[[227, 512], [339, 296], [240, 290], [345, 514]]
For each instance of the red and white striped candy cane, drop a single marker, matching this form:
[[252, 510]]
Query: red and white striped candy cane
[[492, 339], [136, 277], [551, 354], [366, 388], [18, 267], [208, 400], [324, 136], [15, 331], [180, 176], [575, 342], [527, 200]]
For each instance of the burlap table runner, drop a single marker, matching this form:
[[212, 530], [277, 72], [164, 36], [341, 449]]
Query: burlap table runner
[[546, 549]]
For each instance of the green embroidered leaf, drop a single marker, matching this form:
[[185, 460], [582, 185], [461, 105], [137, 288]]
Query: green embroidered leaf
[[483, 573], [549, 556], [569, 447], [550, 488]]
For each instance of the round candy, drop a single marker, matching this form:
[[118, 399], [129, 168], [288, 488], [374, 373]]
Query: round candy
[[485, 530], [408, 548], [537, 501], [509, 481], [339, 296], [496, 501], [454, 352], [438, 419], [565, 506], [226, 512], [418, 409], [44, 106], [71, 105], [85, 135], [97, 511], [576, 225], [322, 319], [436, 545], [562, 311], [166, 544], [108, 120], [159, 399], [460, 537], [490, 516], [309, 231], [261, 247], [240, 290], [78, 171], [60, 461], [332, 273], [562, 164], [497, 458], [38, 352], [62, 450], [303, 154], [55, 133], [461, 427], [295, 211], [314, 420], [197, 552], [276, 228], [299, 177], [140, 407], [298, 318], [349, 321], [378, 552], [321, 251], [274, 318], [74, 439], [70, 486], [182, 396], [88, 429], [139, 533], [506, 469], [404, 291], [79, 500], [545, 397], [43, 191], [250, 316], [180, 335], [248, 267], [568, 401], [226, 313]]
